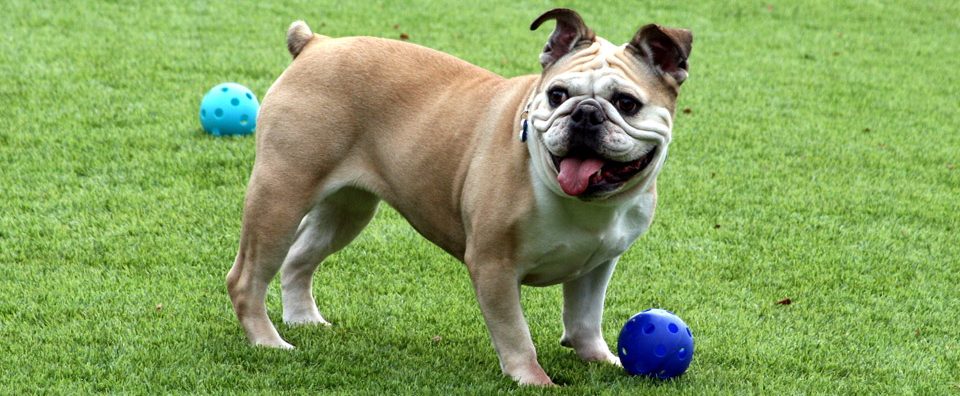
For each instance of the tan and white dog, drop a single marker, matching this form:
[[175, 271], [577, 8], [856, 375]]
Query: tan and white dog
[[538, 180]]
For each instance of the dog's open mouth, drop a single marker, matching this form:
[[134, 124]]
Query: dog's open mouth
[[581, 175]]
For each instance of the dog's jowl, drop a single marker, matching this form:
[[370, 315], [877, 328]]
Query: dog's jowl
[[539, 180]]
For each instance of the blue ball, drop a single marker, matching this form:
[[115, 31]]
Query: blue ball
[[229, 109], [655, 343]]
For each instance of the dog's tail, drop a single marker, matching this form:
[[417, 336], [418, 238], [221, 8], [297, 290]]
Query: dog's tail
[[298, 36]]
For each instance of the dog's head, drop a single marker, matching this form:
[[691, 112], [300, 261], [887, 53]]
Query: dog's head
[[601, 117]]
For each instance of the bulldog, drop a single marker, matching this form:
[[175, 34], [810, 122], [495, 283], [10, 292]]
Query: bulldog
[[534, 180]]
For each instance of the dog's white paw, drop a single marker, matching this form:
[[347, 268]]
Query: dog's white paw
[[599, 355], [614, 360], [532, 375], [278, 344], [305, 314], [591, 350], [307, 320]]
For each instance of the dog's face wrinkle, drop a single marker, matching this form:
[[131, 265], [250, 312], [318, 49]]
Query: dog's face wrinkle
[[630, 133]]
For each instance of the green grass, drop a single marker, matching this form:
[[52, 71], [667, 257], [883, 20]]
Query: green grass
[[819, 161]]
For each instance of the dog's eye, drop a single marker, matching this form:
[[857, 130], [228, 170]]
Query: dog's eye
[[628, 106], [556, 96]]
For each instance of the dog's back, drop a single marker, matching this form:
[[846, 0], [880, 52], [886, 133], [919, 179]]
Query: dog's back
[[349, 104]]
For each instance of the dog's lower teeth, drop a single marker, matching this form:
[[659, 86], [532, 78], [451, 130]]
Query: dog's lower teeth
[[597, 178]]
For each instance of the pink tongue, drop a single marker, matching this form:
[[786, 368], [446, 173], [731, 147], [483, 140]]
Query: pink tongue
[[575, 173]]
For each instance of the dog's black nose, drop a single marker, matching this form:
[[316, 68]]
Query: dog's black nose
[[588, 115]]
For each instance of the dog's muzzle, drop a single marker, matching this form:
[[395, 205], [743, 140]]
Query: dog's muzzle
[[586, 123], [583, 171]]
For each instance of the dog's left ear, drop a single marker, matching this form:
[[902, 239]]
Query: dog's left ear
[[664, 48], [571, 32]]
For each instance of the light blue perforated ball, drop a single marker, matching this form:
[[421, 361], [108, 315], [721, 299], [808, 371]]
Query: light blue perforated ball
[[229, 109]]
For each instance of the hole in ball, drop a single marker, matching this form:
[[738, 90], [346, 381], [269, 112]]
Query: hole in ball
[[689, 333], [660, 350], [235, 101], [218, 112], [649, 328], [682, 353], [623, 351], [244, 119], [249, 96], [673, 328], [224, 89], [203, 112]]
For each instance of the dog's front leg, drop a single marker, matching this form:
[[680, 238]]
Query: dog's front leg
[[498, 291], [583, 312]]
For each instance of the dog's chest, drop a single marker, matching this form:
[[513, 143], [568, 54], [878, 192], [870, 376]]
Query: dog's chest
[[565, 239]]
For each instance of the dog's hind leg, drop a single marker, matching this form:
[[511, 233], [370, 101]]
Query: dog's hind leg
[[272, 210], [330, 225]]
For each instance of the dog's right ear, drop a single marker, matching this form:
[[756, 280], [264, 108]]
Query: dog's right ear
[[569, 34]]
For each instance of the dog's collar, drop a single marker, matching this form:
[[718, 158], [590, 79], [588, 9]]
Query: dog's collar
[[524, 124], [525, 116]]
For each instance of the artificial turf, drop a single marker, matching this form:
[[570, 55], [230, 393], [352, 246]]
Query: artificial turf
[[816, 158]]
